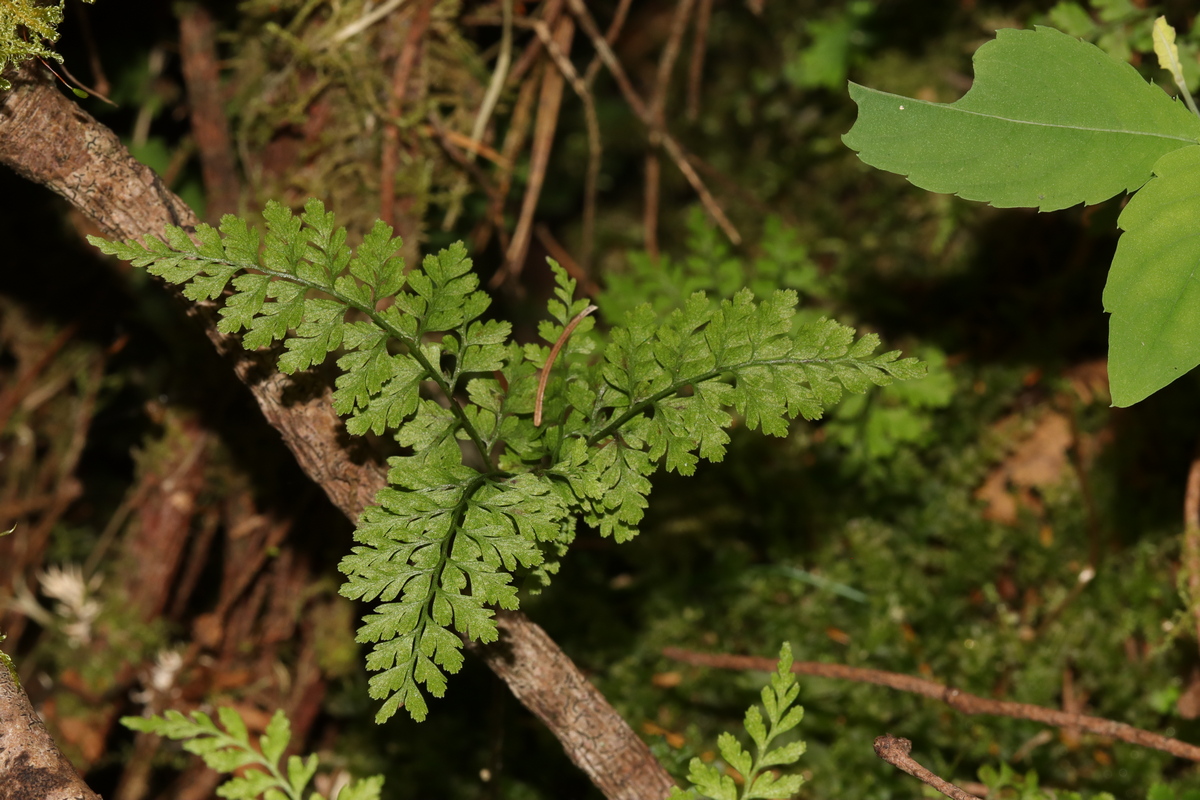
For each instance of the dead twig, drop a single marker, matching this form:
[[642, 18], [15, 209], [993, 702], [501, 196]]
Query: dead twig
[[549, 365], [514, 141], [896, 752], [643, 112], [401, 75], [532, 56], [658, 124], [444, 137], [499, 75], [206, 106], [543, 140], [610, 36], [960, 701], [696, 67], [651, 183], [595, 147], [1191, 541]]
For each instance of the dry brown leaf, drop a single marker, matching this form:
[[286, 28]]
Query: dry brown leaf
[[1188, 704], [1037, 462]]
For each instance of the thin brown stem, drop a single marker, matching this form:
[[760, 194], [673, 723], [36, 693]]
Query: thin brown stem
[[565, 260], [643, 113], [595, 148], [558, 345], [696, 67], [532, 55], [539, 160], [896, 752], [610, 36], [959, 700], [650, 200], [402, 72], [210, 125], [1191, 541], [666, 62]]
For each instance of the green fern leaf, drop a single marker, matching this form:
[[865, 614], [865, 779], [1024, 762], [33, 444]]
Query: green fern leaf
[[777, 700], [249, 786], [709, 781], [770, 787], [439, 550], [446, 548], [318, 334]]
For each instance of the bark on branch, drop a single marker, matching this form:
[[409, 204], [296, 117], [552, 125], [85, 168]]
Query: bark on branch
[[48, 139], [31, 765]]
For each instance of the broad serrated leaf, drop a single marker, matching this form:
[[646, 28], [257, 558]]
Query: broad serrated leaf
[[1050, 122], [621, 472], [221, 755], [375, 262], [318, 335], [388, 407], [787, 754], [790, 720], [1152, 292], [275, 319], [250, 293], [403, 552], [754, 726], [285, 247]]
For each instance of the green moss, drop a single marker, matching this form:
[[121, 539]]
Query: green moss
[[8, 662], [27, 29]]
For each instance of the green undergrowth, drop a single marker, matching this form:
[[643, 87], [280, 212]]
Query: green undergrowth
[[921, 585], [877, 553]]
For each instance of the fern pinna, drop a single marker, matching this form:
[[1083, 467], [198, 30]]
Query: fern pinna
[[486, 491]]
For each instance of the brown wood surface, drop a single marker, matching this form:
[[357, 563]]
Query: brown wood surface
[[50, 140], [31, 765]]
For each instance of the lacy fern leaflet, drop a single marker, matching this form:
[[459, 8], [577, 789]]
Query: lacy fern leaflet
[[485, 492]]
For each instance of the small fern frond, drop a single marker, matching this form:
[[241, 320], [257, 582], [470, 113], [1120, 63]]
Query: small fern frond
[[669, 388], [227, 748], [758, 782], [438, 549]]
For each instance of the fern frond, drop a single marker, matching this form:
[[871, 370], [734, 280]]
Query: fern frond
[[758, 783], [674, 383], [227, 748], [442, 544], [438, 549]]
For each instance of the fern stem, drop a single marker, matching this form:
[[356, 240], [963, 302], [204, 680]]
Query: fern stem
[[641, 405], [447, 546], [413, 345], [558, 345]]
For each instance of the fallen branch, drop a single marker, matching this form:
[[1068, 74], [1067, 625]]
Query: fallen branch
[[49, 140], [958, 700], [896, 752], [31, 765]]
